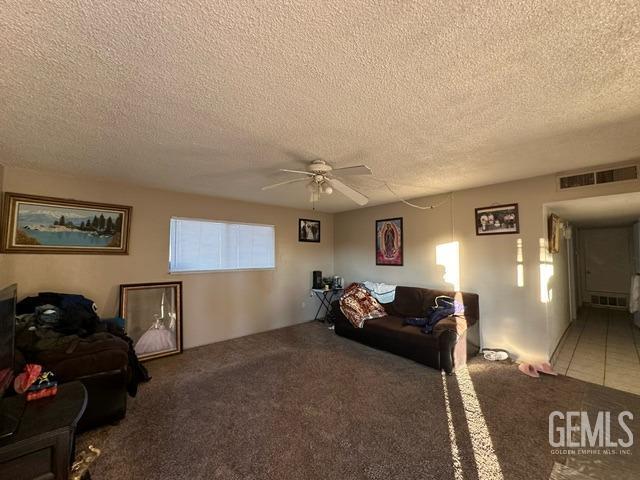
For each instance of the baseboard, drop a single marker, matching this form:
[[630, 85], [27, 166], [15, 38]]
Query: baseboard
[[557, 349]]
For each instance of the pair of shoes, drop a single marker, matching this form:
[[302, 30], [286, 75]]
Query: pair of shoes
[[495, 355], [534, 370]]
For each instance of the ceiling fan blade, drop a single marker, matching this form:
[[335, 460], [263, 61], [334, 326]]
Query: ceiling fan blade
[[355, 170], [296, 171], [349, 192], [269, 187]]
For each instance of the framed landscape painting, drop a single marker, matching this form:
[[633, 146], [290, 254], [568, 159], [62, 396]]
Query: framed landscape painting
[[389, 242], [33, 224], [497, 220]]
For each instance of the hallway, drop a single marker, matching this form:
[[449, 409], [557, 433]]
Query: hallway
[[602, 346]]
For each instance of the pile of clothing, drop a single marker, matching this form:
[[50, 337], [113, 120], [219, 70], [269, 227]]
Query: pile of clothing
[[52, 327], [443, 307], [382, 292]]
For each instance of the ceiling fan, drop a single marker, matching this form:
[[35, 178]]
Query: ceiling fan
[[320, 176]]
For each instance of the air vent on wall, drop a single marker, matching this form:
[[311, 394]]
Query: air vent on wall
[[580, 180], [617, 174], [608, 301], [597, 177]]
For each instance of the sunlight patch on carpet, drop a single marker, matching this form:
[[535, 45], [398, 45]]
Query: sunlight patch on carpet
[[455, 454], [483, 451]]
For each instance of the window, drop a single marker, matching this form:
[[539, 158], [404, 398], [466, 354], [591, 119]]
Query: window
[[203, 245]]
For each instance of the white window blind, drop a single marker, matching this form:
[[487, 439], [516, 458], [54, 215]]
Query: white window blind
[[203, 245]]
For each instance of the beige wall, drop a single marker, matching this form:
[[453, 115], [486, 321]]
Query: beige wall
[[226, 305], [635, 248], [217, 306], [4, 272], [512, 317]]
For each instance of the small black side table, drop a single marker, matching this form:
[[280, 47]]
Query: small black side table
[[325, 297], [43, 446]]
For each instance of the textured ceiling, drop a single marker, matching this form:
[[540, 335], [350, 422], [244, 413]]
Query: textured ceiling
[[212, 97], [615, 210]]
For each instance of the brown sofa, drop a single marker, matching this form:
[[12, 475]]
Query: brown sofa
[[454, 339]]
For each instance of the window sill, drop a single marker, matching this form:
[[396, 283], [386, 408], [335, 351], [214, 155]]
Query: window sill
[[225, 270]]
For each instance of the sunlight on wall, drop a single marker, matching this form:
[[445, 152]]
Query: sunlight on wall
[[546, 272], [448, 255], [519, 264]]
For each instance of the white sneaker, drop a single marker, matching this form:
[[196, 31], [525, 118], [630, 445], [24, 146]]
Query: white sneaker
[[494, 355]]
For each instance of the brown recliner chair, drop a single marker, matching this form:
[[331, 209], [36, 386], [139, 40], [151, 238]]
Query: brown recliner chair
[[101, 363], [453, 340]]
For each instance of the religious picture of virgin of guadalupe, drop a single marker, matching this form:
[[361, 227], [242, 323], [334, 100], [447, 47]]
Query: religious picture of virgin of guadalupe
[[153, 317], [389, 242]]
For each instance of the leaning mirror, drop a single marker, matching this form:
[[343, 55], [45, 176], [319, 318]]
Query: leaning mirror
[[153, 317]]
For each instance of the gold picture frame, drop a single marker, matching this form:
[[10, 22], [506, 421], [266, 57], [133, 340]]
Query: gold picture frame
[[37, 224]]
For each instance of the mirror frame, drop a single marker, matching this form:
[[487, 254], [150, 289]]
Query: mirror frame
[[124, 299]]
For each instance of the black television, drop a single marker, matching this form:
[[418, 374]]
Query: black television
[[8, 420]]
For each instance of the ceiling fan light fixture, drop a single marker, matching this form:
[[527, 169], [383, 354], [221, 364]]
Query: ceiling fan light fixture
[[320, 180], [327, 188]]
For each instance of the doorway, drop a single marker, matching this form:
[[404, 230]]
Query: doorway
[[601, 343], [607, 265]]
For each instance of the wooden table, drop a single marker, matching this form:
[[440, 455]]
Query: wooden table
[[43, 445]]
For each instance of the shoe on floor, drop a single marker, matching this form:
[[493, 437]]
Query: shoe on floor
[[495, 355], [528, 369], [545, 368]]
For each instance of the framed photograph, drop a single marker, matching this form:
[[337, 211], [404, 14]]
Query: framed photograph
[[389, 242], [497, 220], [33, 224], [153, 317], [554, 226], [308, 230]]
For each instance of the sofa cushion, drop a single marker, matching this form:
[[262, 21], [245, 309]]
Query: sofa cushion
[[393, 327], [408, 302]]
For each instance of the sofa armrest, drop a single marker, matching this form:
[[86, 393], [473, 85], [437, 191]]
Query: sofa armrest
[[454, 344], [454, 323], [337, 311]]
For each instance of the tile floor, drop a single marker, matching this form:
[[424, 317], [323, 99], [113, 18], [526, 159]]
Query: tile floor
[[602, 346]]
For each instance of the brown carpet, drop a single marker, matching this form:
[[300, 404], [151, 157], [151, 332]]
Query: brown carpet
[[303, 403]]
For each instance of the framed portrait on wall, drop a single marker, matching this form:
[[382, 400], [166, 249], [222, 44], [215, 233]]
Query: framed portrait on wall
[[554, 226], [308, 230], [153, 317], [497, 220], [389, 249], [35, 224]]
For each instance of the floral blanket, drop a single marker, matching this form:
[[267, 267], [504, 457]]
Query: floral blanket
[[358, 305]]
